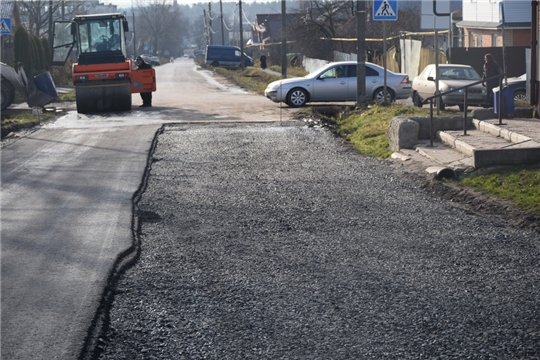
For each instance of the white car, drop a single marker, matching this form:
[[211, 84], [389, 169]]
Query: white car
[[337, 82], [451, 76]]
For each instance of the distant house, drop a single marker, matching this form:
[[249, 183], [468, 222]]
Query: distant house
[[482, 23]]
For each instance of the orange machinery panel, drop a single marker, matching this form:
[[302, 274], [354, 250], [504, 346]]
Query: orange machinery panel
[[108, 71], [143, 81]]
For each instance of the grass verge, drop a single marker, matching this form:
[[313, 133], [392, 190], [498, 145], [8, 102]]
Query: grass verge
[[25, 120], [519, 185], [367, 127]]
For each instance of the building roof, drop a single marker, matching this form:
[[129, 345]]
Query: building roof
[[493, 25]]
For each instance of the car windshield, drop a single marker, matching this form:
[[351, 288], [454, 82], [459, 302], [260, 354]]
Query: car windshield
[[458, 73], [317, 72]]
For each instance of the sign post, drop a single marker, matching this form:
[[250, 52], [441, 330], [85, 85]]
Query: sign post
[[361, 46], [385, 10]]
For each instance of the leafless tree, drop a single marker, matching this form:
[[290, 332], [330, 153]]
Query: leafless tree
[[335, 20], [159, 25], [316, 23], [34, 14]]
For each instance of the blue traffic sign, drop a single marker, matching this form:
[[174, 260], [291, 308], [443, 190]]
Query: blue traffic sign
[[5, 26], [385, 10]]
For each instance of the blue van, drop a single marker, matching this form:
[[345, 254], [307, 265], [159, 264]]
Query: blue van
[[220, 55]]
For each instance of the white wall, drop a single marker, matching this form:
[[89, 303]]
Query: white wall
[[488, 10], [481, 10]]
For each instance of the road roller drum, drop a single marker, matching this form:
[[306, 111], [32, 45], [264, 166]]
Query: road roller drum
[[103, 96]]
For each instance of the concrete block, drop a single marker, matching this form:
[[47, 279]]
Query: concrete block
[[439, 123], [486, 158], [402, 133]]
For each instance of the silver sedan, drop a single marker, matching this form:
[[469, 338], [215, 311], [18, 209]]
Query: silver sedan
[[337, 82]]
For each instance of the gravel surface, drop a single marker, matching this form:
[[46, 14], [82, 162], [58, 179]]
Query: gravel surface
[[261, 241]]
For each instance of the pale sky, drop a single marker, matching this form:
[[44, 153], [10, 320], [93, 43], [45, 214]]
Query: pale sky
[[127, 3]]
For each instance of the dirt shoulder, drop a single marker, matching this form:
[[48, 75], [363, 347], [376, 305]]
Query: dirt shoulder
[[503, 211]]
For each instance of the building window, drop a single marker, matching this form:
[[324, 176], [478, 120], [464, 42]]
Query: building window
[[494, 39]]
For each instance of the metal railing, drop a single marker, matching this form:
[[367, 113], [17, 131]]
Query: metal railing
[[465, 99]]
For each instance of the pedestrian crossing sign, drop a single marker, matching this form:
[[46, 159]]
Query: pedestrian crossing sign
[[385, 10], [5, 26]]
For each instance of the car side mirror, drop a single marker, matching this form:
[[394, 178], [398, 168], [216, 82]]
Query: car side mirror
[[430, 78]]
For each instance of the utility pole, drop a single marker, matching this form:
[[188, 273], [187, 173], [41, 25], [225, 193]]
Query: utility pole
[[210, 23], [361, 57], [242, 62], [283, 40], [51, 25], [221, 13], [205, 27]]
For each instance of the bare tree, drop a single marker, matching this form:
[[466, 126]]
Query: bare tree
[[317, 20], [336, 20], [34, 14], [159, 23]]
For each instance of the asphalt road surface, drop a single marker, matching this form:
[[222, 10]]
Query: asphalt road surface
[[279, 241], [67, 194], [231, 232]]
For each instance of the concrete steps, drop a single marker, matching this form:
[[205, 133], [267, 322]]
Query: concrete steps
[[515, 142]]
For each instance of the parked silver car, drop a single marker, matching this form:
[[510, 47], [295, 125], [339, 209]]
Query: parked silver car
[[337, 82], [452, 76], [519, 86]]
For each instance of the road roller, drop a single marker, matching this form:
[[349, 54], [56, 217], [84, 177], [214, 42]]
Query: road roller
[[102, 74]]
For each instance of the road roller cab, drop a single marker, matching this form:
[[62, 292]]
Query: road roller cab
[[103, 76]]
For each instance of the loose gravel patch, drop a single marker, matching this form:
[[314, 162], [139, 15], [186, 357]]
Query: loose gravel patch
[[261, 241]]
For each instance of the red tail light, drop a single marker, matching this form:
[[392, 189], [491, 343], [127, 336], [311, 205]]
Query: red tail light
[[405, 80]]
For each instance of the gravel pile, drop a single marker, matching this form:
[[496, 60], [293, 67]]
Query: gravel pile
[[282, 242]]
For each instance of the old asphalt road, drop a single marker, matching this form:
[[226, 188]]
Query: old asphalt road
[[67, 192]]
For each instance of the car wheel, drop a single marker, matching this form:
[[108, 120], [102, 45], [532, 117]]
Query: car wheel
[[215, 64], [441, 104], [8, 94], [417, 101], [297, 97], [378, 95], [520, 95]]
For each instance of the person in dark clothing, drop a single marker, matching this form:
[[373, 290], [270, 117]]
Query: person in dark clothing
[[263, 61], [491, 68], [145, 96]]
